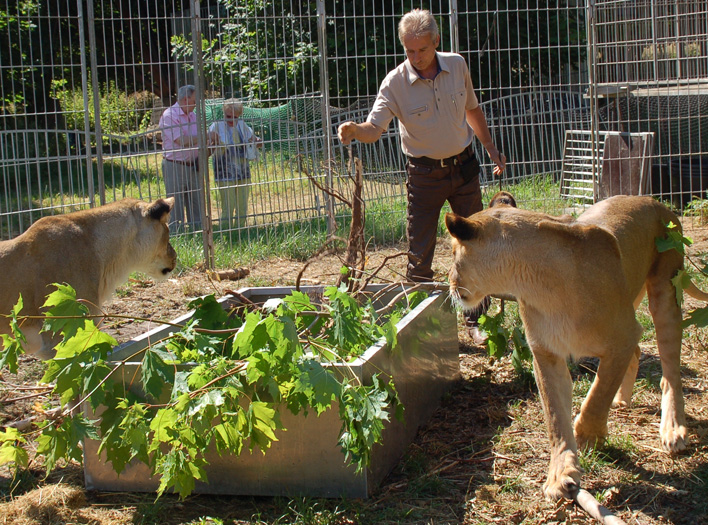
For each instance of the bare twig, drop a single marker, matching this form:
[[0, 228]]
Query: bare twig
[[382, 265], [329, 191], [245, 301], [589, 504], [22, 424], [28, 396], [325, 248]]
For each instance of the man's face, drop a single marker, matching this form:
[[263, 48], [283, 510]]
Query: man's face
[[188, 103], [421, 50]]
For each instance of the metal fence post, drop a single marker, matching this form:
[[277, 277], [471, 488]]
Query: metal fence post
[[326, 113], [203, 165], [96, 103], [592, 92], [454, 28]]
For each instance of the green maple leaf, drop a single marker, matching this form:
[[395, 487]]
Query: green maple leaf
[[390, 332], [212, 398], [118, 438], [681, 280], [163, 426], [52, 443], [11, 450], [347, 329], [14, 454], [64, 313], [179, 470], [63, 441], [252, 336], [698, 317], [155, 372], [282, 334], [306, 314], [67, 376], [674, 240], [12, 342], [318, 384], [86, 337], [92, 376], [209, 314], [262, 424]]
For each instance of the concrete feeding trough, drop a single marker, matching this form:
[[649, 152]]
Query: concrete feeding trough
[[306, 461]]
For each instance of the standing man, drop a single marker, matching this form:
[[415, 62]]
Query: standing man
[[432, 95], [180, 167]]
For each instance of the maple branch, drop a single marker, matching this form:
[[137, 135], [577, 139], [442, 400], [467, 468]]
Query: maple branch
[[589, 504]]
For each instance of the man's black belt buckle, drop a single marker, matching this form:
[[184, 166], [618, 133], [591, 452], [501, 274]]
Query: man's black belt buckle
[[444, 163]]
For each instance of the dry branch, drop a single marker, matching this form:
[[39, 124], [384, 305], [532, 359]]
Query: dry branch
[[355, 258], [589, 504]]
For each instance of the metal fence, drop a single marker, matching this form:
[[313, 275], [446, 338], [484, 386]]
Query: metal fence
[[83, 84]]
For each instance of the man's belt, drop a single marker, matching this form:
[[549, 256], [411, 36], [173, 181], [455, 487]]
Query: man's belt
[[183, 162], [461, 158]]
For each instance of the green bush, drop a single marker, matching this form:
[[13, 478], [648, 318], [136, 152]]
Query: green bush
[[121, 113]]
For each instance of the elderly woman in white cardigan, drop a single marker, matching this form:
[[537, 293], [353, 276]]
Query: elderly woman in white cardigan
[[235, 146]]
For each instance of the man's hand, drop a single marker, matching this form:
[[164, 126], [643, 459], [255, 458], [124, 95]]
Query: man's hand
[[499, 160], [364, 132], [347, 132]]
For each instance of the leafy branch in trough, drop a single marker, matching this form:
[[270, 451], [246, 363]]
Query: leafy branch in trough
[[219, 384]]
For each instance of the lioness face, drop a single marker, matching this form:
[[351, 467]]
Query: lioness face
[[475, 247], [464, 286], [156, 235]]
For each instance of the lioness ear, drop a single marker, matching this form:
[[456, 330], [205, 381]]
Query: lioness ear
[[160, 209], [459, 227]]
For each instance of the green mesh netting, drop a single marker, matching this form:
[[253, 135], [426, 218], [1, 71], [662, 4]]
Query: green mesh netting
[[279, 126]]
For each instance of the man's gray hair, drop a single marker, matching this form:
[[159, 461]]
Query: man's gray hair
[[186, 91], [418, 23]]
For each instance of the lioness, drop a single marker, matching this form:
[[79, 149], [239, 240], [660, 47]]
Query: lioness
[[578, 283], [92, 250]]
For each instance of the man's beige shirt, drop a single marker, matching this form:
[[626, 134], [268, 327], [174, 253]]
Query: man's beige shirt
[[431, 113]]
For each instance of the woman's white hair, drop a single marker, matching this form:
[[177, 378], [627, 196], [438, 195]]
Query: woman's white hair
[[236, 106]]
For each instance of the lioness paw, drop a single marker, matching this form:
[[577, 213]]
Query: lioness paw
[[566, 485], [589, 435], [674, 439], [563, 477]]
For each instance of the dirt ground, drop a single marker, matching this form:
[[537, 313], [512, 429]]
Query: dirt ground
[[481, 459]]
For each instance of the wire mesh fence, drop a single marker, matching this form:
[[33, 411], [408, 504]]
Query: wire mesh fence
[[83, 85]]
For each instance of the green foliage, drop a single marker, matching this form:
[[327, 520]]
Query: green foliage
[[675, 240], [12, 343], [218, 383], [500, 335], [238, 60], [11, 450], [17, 24], [121, 113]]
